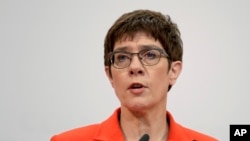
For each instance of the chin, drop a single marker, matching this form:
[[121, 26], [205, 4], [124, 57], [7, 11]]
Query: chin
[[138, 107]]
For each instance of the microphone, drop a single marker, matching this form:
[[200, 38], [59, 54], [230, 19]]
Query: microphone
[[145, 137]]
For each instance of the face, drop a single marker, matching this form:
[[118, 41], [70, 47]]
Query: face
[[140, 87]]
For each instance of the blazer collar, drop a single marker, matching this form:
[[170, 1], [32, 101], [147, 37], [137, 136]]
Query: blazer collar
[[110, 129], [176, 132]]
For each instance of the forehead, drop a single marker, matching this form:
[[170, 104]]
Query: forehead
[[137, 41]]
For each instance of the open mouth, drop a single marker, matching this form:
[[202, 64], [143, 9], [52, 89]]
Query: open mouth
[[136, 86]]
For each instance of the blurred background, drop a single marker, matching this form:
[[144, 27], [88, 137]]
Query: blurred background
[[52, 74]]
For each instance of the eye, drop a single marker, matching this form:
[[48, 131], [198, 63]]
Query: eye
[[121, 57], [150, 54]]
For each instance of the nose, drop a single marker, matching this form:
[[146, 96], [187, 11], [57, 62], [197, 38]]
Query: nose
[[136, 67]]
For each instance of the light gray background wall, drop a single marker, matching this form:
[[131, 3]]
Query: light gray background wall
[[52, 76]]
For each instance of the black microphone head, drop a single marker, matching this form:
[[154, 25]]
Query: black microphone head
[[145, 137]]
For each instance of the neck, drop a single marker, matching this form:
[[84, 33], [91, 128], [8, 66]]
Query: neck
[[136, 124]]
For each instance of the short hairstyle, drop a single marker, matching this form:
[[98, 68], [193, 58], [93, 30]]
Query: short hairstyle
[[152, 23]]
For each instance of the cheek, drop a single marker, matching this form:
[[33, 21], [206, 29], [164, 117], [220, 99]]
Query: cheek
[[161, 77], [162, 71], [118, 79]]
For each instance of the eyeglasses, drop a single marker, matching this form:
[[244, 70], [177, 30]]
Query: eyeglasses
[[148, 57]]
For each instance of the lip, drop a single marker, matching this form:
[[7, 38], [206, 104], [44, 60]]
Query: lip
[[136, 90]]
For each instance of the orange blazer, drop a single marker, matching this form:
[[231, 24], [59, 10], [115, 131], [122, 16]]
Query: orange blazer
[[109, 130]]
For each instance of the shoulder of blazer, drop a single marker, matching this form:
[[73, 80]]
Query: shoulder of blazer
[[181, 133], [78, 134], [197, 136], [108, 129]]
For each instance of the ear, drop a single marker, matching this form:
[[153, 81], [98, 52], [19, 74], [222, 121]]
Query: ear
[[175, 71], [108, 74]]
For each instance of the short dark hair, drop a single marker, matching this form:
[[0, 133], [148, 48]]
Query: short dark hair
[[152, 23]]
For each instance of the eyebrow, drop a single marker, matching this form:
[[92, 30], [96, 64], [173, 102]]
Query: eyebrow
[[142, 47]]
